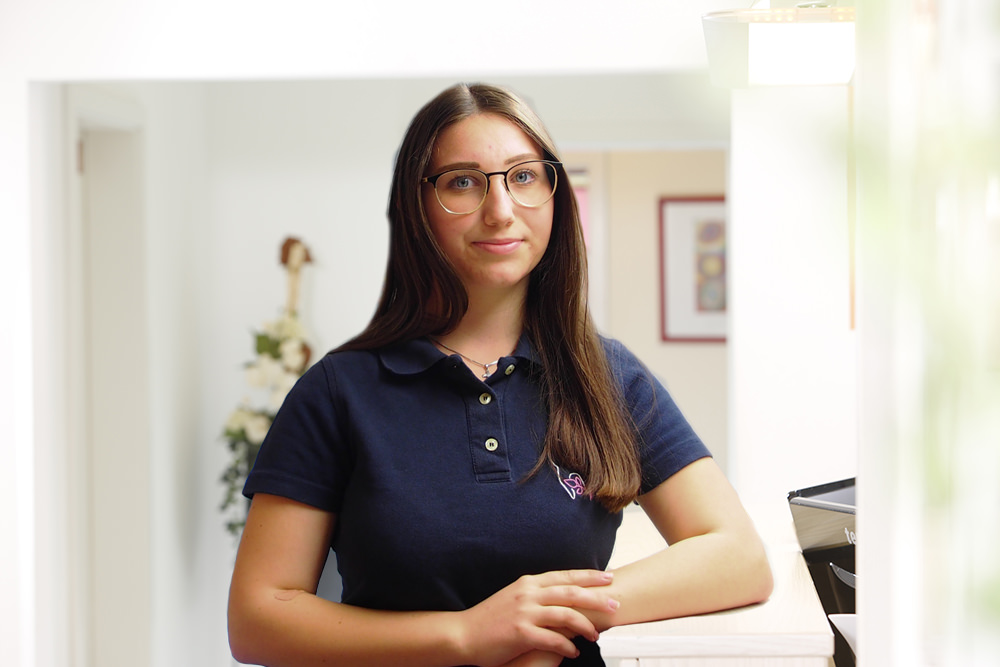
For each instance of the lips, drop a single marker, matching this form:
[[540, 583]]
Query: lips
[[499, 246]]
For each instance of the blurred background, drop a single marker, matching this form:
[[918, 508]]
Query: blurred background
[[154, 156]]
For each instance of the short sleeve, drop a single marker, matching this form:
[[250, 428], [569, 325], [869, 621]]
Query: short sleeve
[[305, 456], [666, 440]]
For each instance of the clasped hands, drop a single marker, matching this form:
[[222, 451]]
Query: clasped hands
[[531, 622]]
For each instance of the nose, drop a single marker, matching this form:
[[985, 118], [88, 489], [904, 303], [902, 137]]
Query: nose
[[498, 209]]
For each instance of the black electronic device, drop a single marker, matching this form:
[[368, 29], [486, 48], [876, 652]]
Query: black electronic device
[[824, 518]]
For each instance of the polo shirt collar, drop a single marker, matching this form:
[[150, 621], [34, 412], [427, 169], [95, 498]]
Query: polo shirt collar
[[419, 355]]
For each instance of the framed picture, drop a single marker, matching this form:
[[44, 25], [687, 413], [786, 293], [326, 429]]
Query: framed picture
[[693, 269]]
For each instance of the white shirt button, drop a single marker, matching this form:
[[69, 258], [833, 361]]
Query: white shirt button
[[508, 370], [485, 398], [492, 444]]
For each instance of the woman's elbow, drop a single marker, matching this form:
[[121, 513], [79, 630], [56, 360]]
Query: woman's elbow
[[758, 576], [239, 645], [764, 585], [239, 652], [242, 635]]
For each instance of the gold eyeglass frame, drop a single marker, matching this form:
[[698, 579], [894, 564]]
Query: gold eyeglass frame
[[488, 176]]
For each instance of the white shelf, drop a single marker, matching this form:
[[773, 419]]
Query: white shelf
[[790, 629]]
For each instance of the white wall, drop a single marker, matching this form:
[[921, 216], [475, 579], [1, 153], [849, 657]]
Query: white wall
[[186, 613], [792, 359], [51, 357]]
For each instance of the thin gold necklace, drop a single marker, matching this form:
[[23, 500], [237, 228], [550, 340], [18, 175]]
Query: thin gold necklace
[[486, 367]]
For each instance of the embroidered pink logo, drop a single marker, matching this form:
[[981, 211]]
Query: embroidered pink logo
[[573, 483]]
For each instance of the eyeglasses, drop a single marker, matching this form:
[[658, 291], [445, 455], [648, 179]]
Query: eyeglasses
[[463, 191]]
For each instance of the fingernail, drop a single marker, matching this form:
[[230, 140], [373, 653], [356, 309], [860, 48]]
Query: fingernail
[[608, 576], [614, 604]]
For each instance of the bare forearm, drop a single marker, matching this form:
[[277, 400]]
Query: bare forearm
[[716, 559], [280, 627], [296, 629], [694, 576]]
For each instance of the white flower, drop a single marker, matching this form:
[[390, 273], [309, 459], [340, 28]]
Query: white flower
[[281, 388], [270, 328], [293, 354], [254, 376], [256, 428], [237, 420], [286, 326], [265, 372]]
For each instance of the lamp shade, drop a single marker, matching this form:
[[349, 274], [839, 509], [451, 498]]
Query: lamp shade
[[776, 47]]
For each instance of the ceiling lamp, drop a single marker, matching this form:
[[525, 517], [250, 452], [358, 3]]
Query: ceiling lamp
[[810, 44]]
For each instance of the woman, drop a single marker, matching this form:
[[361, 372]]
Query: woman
[[469, 454]]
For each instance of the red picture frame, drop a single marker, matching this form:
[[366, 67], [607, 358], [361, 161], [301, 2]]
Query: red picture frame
[[693, 268]]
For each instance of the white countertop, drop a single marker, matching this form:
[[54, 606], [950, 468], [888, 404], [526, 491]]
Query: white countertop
[[791, 628]]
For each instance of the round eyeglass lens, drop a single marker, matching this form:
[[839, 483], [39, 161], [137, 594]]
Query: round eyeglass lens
[[531, 183], [461, 190]]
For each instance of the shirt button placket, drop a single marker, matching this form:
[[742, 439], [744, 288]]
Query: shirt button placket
[[491, 444], [489, 458]]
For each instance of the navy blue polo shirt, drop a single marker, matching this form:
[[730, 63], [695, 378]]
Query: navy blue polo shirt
[[425, 466]]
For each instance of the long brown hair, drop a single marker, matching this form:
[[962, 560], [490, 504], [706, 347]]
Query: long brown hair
[[589, 429]]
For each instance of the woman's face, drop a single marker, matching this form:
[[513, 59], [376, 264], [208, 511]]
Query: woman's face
[[498, 245]]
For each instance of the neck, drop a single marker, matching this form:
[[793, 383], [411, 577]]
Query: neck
[[490, 328]]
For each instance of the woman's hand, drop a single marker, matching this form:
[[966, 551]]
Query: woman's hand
[[536, 614]]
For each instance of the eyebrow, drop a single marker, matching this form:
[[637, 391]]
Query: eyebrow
[[511, 161]]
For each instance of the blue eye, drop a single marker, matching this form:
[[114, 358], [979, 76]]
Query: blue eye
[[523, 177], [462, 181]]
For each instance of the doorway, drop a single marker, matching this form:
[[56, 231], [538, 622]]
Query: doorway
[[109, 559]]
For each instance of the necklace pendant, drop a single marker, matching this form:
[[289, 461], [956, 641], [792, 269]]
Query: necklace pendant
[[486, 367]]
